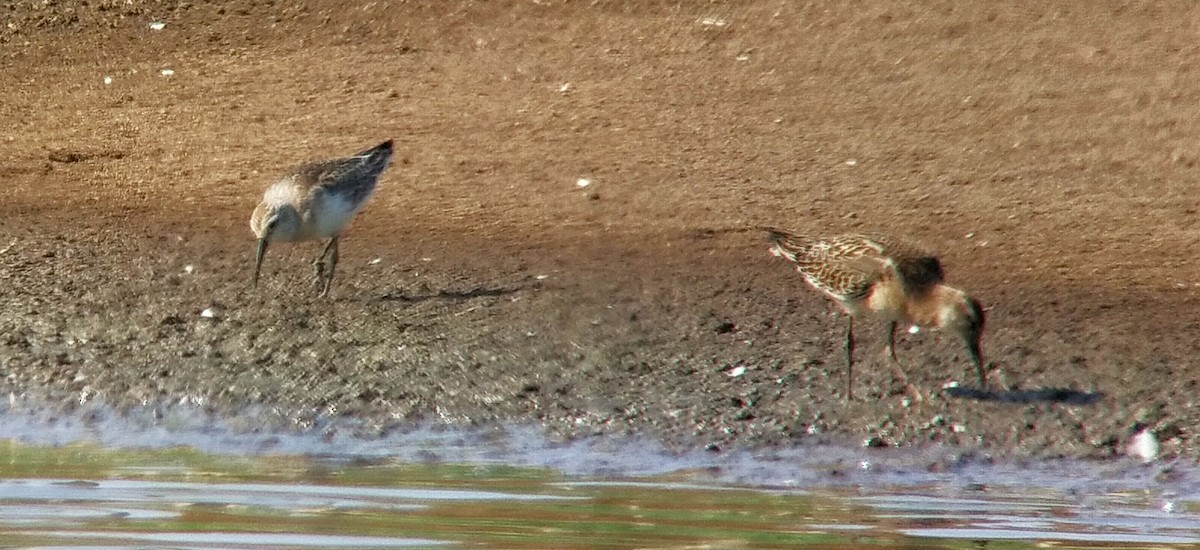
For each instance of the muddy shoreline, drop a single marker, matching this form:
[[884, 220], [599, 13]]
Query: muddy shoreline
[[1037, 148]]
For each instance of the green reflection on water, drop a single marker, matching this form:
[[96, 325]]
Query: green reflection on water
[[604, 515]]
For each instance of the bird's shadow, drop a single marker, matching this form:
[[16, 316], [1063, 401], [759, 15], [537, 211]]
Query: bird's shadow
[[1028, 396], [449, 295]]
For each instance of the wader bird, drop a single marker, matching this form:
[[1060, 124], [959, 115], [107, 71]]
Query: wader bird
[[315, 201], [885, 277]]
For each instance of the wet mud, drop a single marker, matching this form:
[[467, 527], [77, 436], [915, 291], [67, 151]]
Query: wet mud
[[1048, 152]]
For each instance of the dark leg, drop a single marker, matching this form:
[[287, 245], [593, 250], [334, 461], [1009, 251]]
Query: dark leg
[[973, 349], [891, 349], [318, 271], [849, 357], [330, 255], [891, 341]]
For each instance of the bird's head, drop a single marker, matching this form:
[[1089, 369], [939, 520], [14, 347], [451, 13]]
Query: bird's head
[[264, 220], [964, 316], [271, 222]]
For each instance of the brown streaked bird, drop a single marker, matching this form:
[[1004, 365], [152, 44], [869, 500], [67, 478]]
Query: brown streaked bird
[[885, 277], [316, 201]]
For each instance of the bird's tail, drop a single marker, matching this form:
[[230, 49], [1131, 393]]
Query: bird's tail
[[782, 242], [775, 235], [382, 150], [375, 159]]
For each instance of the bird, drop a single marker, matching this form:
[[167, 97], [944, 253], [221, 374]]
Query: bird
[[316, 201], [887, 277]]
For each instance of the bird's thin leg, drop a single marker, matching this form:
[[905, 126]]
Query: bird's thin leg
[[849, 357], [891, 349], [977, 358], [330, 254], [982, 376], [891, 341], [319, 268]]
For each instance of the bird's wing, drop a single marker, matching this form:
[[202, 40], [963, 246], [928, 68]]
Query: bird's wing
[[844, 267], [353, 177]]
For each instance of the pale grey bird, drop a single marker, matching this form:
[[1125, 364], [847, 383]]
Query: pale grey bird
[[316, 201]]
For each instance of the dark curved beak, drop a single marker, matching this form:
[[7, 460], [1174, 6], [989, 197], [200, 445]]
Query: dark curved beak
[[262, 250]]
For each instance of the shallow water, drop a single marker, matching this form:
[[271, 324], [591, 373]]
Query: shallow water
[[111, 483]]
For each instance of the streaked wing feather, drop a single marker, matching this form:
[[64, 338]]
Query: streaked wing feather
[[848, 265], [353, 177], [840, 267]]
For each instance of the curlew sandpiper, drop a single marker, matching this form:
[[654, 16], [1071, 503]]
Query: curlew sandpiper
[[885, 277]]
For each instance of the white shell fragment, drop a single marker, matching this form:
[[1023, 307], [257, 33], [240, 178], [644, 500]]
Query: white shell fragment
[[1144, 446], [107, 80], [189, 269], [166, 72], [582, 182], [914, 329], [208, 313], [737, 371], [713, 22], [375, 261], [157, 26], [566, 87]]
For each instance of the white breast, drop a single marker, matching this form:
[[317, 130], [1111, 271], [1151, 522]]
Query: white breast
[[331, 212]]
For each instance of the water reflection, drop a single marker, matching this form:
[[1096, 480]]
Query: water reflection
[[228, 540], [89, 497]]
